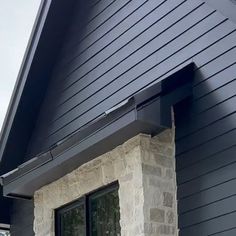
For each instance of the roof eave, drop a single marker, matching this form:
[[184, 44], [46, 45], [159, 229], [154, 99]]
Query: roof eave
[[148, 111], [23, 73]]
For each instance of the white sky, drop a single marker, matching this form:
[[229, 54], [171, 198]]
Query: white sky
[[16, 21]]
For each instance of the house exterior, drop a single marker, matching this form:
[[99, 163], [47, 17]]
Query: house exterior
[[122, 121]]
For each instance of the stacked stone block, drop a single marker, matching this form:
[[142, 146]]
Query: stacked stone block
[[145, 170]]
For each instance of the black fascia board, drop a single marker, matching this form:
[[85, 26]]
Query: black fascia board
[[23, 75], [148, 111], [7, 131], [33, 79], [31, 84]]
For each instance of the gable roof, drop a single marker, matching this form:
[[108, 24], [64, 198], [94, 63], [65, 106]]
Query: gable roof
[[32, 80], [33, 77], [45, 39]]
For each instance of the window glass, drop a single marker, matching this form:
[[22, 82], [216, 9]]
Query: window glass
[[97, 214], [105, 214], [73, 221]]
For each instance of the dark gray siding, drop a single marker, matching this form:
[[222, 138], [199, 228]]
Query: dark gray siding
[[206, 145], [123, 46], [206, 175], [22, 216]]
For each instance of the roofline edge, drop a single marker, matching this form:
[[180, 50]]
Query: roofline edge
[[23, 73]]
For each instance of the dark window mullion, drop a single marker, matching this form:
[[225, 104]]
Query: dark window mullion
[[88, 220]]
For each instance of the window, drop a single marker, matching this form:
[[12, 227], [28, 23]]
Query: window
[[97, 214]]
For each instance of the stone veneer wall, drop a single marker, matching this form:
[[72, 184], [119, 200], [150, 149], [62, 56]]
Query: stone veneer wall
[[145, 170]]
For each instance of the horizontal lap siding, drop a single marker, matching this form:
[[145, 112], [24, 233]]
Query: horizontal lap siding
[[115, 48], [134, 67], [124, 46], [206, 146]]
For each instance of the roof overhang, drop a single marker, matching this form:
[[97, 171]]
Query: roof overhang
[[148, 111], [32, 81], [20, 84]]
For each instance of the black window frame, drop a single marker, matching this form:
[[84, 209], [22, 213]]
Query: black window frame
[[84, 200]]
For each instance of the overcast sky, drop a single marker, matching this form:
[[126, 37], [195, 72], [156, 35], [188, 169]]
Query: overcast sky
[[16, 21]]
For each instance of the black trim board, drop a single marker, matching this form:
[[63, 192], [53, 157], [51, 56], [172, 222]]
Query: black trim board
[[149, 111], [30, 87], [23, 73], [32, 81]]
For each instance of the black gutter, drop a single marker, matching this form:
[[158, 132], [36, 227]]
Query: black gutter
[[148, 111]]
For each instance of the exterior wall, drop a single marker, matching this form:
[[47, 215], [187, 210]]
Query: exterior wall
[[22, 217], [122, 47], [145, 170], [205, 160]]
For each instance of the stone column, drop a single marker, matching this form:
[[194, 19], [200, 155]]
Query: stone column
[[148, 193], [159, 185]]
